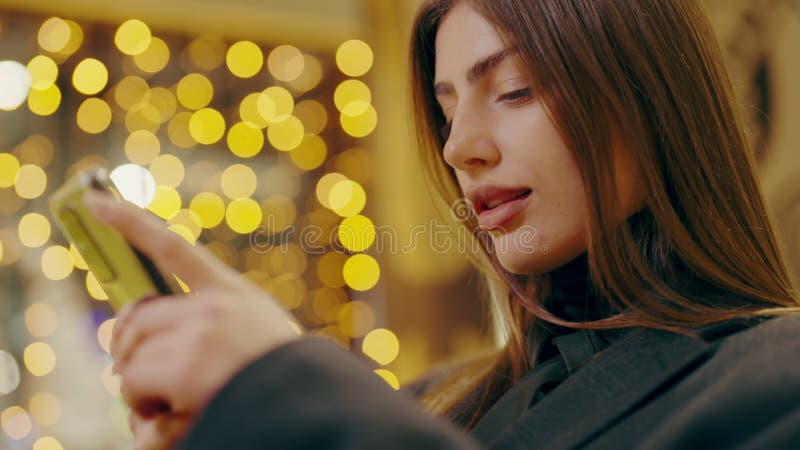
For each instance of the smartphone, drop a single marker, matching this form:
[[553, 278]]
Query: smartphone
[[125, 274]]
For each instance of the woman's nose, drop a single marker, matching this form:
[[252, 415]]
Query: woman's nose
[[470, 144]]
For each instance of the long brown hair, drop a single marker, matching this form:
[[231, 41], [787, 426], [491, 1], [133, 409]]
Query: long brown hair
[[701, 251]]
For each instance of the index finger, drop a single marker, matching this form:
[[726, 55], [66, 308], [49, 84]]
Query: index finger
[[194, 265]]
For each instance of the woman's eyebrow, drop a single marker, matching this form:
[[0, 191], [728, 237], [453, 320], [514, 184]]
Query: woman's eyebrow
[[476, 72]]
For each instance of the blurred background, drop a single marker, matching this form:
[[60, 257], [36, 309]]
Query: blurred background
[[245, 125]]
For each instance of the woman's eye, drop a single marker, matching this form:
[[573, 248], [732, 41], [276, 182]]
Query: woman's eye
[[444, 131], [518, 96]]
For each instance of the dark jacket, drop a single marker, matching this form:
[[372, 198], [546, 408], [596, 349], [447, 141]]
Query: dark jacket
[[738, 387]]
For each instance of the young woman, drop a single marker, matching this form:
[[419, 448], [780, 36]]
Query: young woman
[[624, 236]]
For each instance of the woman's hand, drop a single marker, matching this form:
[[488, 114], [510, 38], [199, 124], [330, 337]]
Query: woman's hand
[[175, 353]]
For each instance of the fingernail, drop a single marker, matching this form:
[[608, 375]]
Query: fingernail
[[99, 204]]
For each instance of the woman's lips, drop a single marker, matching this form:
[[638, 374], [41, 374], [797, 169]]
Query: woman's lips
[[492, 219]]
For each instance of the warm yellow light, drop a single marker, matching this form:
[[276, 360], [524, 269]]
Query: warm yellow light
[[40, 359], [36, 150], [167, 170], [324, 186], [326, 301], [133, 37], [178, 130], [16, 422], [289, 289], [286, 135], [164, 101], [141, 147], [77, 259], [275, 104], [248, 110], [131, 91], [356, 319], [243, 215], [354, 58], [188, 224], [207, 126], [44, 102], [54, 34], [94, 289], [238, 180], [75, 40], [361, 272], [143, 116], [209, 207], [347, 198], [9, 167], [329, 269], [356, 233], [41, 320], [311, 153], [362, 125], [43, 70], [166, 203], [56, 263], [45, 409], [389, 377], [34, 230], [279, 213], [47, 443], [311, 76], [154, 58], [207, 52], [104, 332], [90, 76], [135, 184], [285, 63], [31, 181], [244, 59], [94, 115], [381, 345], [352, 97], [313, 116], [245, 140], [16, 82], [195, 91], [355, 163]]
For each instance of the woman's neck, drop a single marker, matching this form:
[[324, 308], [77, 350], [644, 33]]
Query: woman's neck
[[572, 294]]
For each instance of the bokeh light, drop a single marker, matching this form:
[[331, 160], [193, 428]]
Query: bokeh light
[[44, 102], [279, 213], [311, 152], [285, 63], [34, 230], [141, 147], [57, 262], [324, 186], [248, 110], [209, 207], [31, 181], [238, 180], [313, 115], [133, 37], [381, 345], [54, 35], [131, 91], [361, 125], [90, 76], [330, 269], [94, 288], [389, 377], [243, 215], [286, 135], [167, 170], [9, 168], [16, 82], [104, 332], [347, 198], [207, 126], [9, 373], [43, 71], [275, 104], [310, 77], [94, 115], [154, 58], [16, 422], [244, 59], [134, 183], [47, 443], [352, 97], [39, 358], [354, 58], [361, 272], [356, 319], [41, 320], [195, 91], [245, 139], [166, 203], [179, 132], [356, 233], [207, 52], [45, 408]]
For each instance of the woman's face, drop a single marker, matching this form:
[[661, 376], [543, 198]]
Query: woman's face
[[510, 161]]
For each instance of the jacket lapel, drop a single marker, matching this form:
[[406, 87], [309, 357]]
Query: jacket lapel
[[607, 387]]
